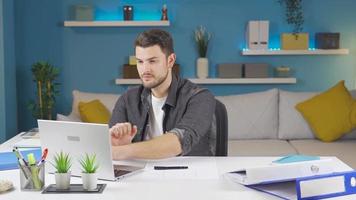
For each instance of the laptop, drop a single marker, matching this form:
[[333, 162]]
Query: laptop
[[77, 139]]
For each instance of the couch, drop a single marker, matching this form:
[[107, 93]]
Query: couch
[[260, 124]]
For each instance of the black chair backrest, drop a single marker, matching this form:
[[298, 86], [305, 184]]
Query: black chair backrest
[[221, 129]]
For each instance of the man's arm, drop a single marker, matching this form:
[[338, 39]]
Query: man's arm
[[164, 146], [119, 113]]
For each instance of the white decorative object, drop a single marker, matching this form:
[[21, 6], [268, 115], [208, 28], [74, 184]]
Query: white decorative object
[[89, 181], [202, 68], [202, 38], [257, 35], [5, 185], [62, 180]]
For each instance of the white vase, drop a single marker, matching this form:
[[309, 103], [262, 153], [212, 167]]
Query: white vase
[[89, 181], [202, 68], [62, 181]]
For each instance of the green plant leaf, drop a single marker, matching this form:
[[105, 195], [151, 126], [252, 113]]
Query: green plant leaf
[[44, 75], [62, 162], [202, 38], [88, 163], [294, 14]]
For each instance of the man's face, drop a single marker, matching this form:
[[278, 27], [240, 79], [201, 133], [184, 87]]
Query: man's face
[[152, 65]]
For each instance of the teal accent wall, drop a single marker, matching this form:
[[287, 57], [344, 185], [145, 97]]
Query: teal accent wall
[[2, 78], [8, 102], [91, 58]]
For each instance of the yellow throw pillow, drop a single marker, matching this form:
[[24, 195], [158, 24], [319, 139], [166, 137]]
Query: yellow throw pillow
[[329, 113], [94, 112]]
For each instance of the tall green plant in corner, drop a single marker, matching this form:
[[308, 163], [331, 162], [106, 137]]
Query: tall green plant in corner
[[294, 14], [44, 75]]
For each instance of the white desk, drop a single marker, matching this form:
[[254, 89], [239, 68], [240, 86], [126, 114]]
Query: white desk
[[141, 186]]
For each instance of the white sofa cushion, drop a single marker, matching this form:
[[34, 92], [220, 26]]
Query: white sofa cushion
[[253, 115], [292, 125], [69, 118], [108, 100], [352, 134]]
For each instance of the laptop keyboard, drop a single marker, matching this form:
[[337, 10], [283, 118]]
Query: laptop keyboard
[[120, 172]]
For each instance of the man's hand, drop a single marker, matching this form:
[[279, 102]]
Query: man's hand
[[122, 133]]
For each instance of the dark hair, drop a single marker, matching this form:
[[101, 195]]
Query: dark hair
[[156, 37]]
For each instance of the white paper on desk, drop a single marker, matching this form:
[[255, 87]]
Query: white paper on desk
[[28, 143], [198, 169]]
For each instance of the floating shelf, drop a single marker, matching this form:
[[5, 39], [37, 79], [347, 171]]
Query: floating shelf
[[114, 23], [295, 52], [222, 81]]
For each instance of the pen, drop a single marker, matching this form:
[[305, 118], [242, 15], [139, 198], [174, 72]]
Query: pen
[[18, 154], [45, 152], [44, 155], [21, 163], [169, 167]]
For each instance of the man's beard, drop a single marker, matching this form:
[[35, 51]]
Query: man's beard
[[155, 83]]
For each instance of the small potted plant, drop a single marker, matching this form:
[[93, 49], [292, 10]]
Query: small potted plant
[[62, 163], [89, 167], [294, 17], [202, 38]]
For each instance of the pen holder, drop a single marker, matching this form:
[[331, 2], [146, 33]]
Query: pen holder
[[32, 178]]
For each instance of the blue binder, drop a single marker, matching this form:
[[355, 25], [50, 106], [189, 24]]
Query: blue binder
[[326, 186], [312, 187], [9, 161]]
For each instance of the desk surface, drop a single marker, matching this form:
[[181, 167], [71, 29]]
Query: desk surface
[[146, 186]]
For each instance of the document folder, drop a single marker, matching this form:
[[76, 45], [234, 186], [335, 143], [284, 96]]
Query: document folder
[[305, 180], [327, 186], [275, 172], [332, 185]]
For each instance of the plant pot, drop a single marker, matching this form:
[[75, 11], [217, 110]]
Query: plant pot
[[62, 181], [89, 181], [298, 41], [202, 68]]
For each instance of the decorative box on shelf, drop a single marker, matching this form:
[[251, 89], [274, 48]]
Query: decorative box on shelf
[[230, 70], [83, 12], [299, 41], [327, 40], [282, 72]]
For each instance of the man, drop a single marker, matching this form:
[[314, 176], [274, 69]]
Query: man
[[166, 116]]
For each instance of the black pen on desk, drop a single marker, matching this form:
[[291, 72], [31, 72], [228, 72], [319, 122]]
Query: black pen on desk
[[169, 167]]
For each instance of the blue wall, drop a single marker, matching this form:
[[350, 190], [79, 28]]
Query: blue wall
[[2, 78], [8, 104], [91, 58]]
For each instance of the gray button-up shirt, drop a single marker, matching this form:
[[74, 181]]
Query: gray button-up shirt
[[189, 113]]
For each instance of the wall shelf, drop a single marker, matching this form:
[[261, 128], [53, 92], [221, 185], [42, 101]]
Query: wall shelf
[[114, 23], [222, 81], [295, 52]]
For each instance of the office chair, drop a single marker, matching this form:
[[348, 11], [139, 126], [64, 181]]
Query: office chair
[[221, 129]]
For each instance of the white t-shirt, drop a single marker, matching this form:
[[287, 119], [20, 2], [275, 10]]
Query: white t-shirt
[[155, 124]]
